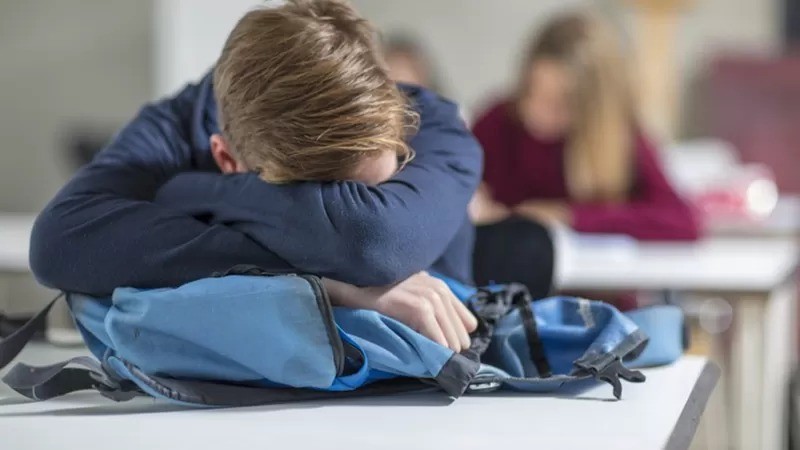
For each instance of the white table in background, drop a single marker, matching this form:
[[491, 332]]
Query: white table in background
[[15, 236], [755, 275], [661, 413]]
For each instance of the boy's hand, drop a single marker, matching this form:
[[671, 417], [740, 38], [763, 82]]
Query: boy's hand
[[422, 302], [485, 210], [545, 212]]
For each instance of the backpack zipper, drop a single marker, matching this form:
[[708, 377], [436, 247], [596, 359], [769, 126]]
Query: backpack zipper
[[325, 307]]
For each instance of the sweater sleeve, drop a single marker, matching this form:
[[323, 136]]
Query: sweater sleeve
[[655, 211], [349, 231], [102, 230]]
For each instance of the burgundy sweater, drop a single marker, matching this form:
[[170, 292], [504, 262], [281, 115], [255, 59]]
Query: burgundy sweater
[[519, 167]]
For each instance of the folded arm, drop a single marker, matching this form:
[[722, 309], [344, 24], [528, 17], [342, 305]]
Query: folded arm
[[102, 231], [349, 231]]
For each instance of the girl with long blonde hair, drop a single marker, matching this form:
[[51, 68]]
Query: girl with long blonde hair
[[567, 147]]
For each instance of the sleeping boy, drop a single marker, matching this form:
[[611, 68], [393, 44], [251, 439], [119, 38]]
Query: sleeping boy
[[287, 157]]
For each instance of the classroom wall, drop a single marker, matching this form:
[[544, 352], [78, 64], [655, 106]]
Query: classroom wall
[[63, 63], [458, 30], [192, 31], [189, 35], [721, 26], [474, 43]]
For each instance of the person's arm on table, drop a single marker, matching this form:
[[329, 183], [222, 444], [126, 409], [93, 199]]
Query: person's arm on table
[[422, 302], [102, 231], [655, 211], [485, 210], [349, 231], [545, 211]]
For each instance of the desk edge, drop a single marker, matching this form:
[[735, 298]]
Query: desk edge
[[686, 425]]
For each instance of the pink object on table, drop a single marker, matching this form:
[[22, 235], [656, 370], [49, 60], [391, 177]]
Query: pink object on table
[[750, 195]]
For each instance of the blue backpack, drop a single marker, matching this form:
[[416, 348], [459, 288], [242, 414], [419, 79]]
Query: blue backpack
[[248, 338]]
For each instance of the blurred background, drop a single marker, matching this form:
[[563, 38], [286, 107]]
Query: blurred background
[[74, 71], [77, 69], [717, 82]]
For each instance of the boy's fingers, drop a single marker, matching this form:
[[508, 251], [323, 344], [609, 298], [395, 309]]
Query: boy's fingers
[[449, 299], [443, 318], [462, 319], [467, 318], [450, 322], [458, 324], [429, 327], [420, 313]]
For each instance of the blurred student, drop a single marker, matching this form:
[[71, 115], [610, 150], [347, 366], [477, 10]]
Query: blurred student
[[408, 62], [567, 147]]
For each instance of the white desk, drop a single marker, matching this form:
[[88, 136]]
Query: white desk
[[660, 413], [15, 235], [754, 275], [720, 264]]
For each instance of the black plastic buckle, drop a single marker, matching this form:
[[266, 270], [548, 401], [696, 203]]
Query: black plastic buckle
[[114, 388], [611, 374]]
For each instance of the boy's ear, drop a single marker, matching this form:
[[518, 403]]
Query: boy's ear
[[223, 156]]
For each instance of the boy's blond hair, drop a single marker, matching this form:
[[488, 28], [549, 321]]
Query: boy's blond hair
[[303, 93]]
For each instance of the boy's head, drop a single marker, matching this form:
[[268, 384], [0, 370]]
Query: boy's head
[[303, 95]]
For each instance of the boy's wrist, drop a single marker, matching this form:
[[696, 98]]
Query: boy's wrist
[[344, 294]]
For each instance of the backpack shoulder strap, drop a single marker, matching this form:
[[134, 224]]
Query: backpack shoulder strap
[[11, 346], [46, 382], [43, 383]]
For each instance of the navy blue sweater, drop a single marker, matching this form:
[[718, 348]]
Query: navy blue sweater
[[152, 210]]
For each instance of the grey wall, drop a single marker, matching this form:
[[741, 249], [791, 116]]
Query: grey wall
[[473, 42], [476, 41], [62, 63]]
